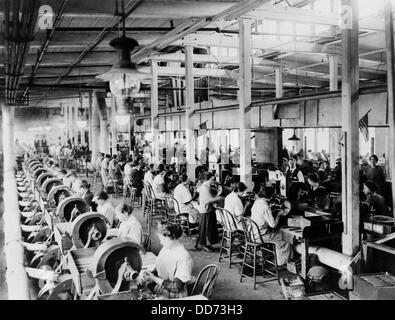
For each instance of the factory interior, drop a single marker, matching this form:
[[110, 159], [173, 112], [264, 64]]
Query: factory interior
[[197, 150]]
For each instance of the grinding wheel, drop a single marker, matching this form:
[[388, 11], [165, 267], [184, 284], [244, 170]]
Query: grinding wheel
[[43, 177], [82, 226], [71, 206], [58, 192], [38, 172], [107, 260], [50, 183]]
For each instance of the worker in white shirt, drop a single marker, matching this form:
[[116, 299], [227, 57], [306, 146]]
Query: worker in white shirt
[[233, 203], [262, 215], [74, 181], [130, 228], [185, 200], [159, 182], [149, 176], [105, 207], [104, 171]]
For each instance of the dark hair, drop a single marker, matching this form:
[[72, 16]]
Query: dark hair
[[374, 157], [208, 175], [322, 163], [63, 171], [239, 187], [85, 184], [371, 185], [183, 178], [171, 230], [114, 156], [124, 207], [266, 192], [108, 156], [313, 177], [102, 195], [161, 168]]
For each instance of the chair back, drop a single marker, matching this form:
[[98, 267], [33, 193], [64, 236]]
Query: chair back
[[228, 221], [251, 231], [146, 241], [149, 190], [209, 275]]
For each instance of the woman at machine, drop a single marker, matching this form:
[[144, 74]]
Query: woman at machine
[[233, 203], [87, 194], [185, 199], [173, 265], [130, 228], [267, 222], [105, 207], [374, 202], [317, 196]]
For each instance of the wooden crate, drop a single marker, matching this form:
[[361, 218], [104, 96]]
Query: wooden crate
[[326, 296], [78, 262], [65, 243]]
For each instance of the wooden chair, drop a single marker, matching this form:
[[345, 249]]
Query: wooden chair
[[146, 241], [256, 249], [230, 235], [210, 272], [177, 217], [154, 208]]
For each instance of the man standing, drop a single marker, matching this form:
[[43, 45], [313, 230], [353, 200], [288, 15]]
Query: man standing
[[375, 173]]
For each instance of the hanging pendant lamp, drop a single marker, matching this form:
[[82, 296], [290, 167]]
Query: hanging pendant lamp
[[294, 137]]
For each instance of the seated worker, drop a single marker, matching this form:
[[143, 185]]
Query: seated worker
[[373, 199], [173, 265], [105, 207], [86, 194], [130, 228], [185, 200], [159, 182], [262, 215], [318, 195], [322, 171], [149, 176], [233, 203], [74, 181]]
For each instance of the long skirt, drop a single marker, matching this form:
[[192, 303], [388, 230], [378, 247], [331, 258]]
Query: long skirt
[[208, 230], [284, 250]]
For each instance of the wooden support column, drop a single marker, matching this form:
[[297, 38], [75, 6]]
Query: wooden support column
[[334, 133], [189, 113], [389, 43], [90, 112], [95, 127], [350, 128], [333, 73], [279, 82], [17, 281], [70, 124], [154, 113], [244, 96], [75, 127], [104, 126], [113, 127]]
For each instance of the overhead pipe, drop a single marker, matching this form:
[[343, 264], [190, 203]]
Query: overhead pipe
[[45, 46], [18, 34]]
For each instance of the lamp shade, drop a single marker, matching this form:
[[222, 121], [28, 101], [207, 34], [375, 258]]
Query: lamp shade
[[294, 137]]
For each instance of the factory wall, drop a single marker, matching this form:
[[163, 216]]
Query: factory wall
[[307, 114]]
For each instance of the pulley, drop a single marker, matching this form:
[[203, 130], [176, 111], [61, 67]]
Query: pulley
[[71, 207], [57, 194], [109, 258], [50, 183], [42, 178], [89, 230]]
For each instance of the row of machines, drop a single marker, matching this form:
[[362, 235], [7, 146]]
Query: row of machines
[[69, 251]]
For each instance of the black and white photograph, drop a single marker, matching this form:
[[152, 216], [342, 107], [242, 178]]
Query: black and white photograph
[[201, 157]]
